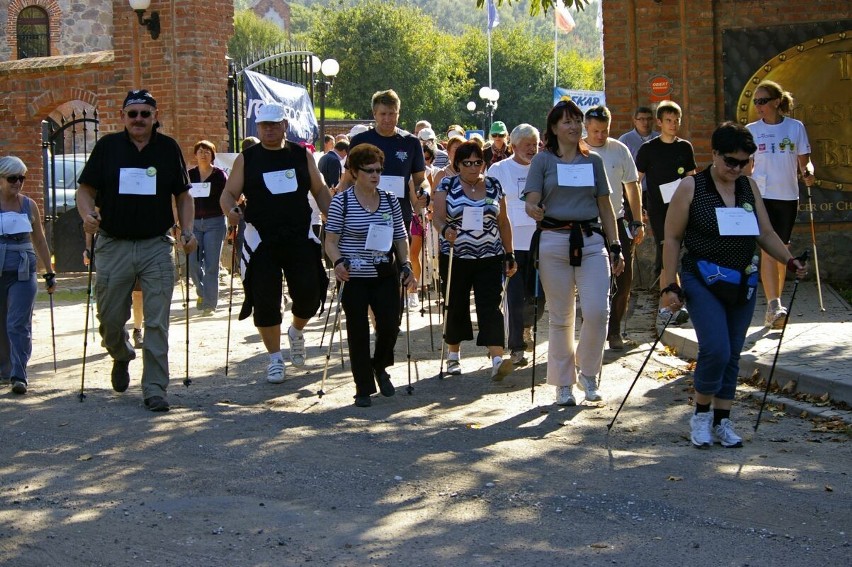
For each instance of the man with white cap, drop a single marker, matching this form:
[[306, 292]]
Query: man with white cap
[[125, 197], [276, 177], [427, 138]]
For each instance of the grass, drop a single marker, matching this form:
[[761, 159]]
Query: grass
[[330, 113]]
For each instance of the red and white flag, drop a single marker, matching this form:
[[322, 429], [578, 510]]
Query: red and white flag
[[564, 20]]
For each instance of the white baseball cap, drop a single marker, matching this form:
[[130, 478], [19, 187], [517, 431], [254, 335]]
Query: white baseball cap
[[426, 134], [357, 129], [270, 112]]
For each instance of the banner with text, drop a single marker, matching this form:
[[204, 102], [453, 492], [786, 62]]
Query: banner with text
[[584, 99], [260, 89]]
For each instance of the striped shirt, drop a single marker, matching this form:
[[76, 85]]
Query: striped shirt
[[473, 244], [353, 225]]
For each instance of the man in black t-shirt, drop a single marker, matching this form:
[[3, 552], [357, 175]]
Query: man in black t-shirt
[[403, 156], [125, 197]]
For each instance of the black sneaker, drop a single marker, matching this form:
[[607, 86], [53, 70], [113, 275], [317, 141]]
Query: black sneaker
[[120, 375], [363, 401], [157, 403], [385, 385], [19, 387]]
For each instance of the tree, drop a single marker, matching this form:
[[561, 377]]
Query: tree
[[380, 45], [253, 35], [537, 6]]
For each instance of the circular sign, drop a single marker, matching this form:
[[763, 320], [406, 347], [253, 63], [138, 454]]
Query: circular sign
[[661, 86]]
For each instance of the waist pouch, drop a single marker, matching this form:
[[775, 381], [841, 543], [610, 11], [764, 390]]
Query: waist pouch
[[730, 286], [575, 241]]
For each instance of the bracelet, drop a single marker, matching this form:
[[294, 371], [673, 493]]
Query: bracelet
[[339, 261], [791, 264], [615, 248], [636, 224], [444, 230], [672, 287]]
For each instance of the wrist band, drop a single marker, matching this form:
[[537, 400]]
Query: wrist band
[[672, 287], [791, 264], [339, 261], [444, 230]]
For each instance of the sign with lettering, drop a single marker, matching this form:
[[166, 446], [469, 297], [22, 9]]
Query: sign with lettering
[[584, 99], [661, 87]]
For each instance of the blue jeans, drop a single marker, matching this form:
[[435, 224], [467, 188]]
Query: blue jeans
[[721, 332], [17, 299], [204, 262]]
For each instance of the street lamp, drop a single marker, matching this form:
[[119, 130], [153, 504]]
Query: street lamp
[[490, 96], [327, 71], [152, 24]]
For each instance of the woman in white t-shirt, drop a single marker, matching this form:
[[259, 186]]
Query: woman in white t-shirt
[[783, 150]]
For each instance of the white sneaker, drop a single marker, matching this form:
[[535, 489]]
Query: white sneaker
[[589, 385], [565, 396], [701, 425], [275, 372], [297, 348], [775, 317], [500, 368], [518, 358], [413, 302], [453, 367], [725, 435]]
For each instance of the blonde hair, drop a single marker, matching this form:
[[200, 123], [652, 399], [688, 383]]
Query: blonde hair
[[12, 165]]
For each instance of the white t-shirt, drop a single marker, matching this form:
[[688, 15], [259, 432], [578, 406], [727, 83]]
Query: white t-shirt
[[620, 168], [513, 177], [776, 159]]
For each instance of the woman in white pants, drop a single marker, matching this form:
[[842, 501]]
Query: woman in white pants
[[568, 195]]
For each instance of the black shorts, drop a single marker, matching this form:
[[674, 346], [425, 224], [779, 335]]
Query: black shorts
[[782, 215]]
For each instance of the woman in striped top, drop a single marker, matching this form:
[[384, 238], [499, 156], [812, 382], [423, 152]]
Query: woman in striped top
[[470, 212], [363, 230]]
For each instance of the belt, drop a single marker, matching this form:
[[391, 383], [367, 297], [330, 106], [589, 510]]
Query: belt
[[577, 230]]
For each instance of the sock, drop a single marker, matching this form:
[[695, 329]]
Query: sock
[[774, 303], [276, 357], [719, 415], [453, 355], [702, 408], [497, 360], [294, 333]]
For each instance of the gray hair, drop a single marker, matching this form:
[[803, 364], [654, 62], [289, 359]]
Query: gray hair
[[523, 132], [11, 165]]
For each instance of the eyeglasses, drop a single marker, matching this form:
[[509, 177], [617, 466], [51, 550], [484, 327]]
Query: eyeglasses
[[142, 113], [733, 163], [762, 101], [12, 179], [498, 135], [472, 162], [372, 170]]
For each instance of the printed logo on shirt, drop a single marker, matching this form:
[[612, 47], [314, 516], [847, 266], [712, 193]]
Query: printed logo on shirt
[[402, 155], [761, 147], [788, 144]]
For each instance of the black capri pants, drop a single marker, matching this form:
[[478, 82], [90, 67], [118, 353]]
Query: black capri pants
[[301, 266], [485, 277]]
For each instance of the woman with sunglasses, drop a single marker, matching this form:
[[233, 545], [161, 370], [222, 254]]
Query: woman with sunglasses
[[718, 216], [471, 216], [364, 229], [782, 151], [208, 182], [567, 194], [21, 241]]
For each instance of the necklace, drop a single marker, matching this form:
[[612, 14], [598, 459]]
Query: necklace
[[471, 186]]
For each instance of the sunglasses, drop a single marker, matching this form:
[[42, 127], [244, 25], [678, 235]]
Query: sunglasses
[[734, 163], [762, 101], [12, 179], [472, 162], [142, 113], [498, 135], [372, 170]]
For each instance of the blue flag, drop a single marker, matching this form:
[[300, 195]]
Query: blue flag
[[260, 89], [493, 16]]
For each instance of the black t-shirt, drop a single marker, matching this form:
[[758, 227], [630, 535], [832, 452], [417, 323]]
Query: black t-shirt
[[403, 157], [135, 216], [208, 207], [662, 163], [281, 213]]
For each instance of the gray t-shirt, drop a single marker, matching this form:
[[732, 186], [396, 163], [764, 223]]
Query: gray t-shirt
[[567, 202]]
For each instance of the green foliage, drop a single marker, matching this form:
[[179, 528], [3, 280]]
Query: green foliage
[[253, 34], [538, 6], [381, 46]]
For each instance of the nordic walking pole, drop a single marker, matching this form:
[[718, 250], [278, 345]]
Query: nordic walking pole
[[813, 241], [803, 258], [641, 368], [535, 329], [328, 314], [82, 394], [187, 381], [446, 303], [425, 267], [49, 282], [410, 388], [321, 391], [231, 294]]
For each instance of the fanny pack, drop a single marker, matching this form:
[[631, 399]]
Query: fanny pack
[[731, 287]]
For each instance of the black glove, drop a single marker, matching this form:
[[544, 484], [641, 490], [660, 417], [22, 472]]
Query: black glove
[[49, 279], [405, 271]]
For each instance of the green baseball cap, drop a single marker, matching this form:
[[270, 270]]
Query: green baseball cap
[[498, 128]]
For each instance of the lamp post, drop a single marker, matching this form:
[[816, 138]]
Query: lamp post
[[152, 24], [477, 114], [490, 97], [326, 71]]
